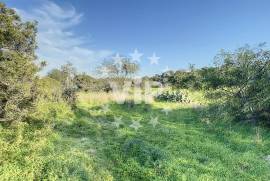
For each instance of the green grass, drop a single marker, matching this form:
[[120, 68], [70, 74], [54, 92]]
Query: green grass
[[85, 145]]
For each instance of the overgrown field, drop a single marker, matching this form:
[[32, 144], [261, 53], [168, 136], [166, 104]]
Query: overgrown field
[[103, 140]]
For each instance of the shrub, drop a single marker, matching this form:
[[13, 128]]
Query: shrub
[[244, 81], [69, 94], [183, 79], [49, 89], [186, 79], [84, 82], [51, 112], [66, 76], [172, 96], [17, 67]]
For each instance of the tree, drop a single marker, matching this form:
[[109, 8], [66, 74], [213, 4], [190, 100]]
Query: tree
[[17, 67], [129, 68], [245, 81], [49, 89], [66, 76], [186, 79], [84, 82], [57, 74], [181, 78], [116, 73], [123, 68]]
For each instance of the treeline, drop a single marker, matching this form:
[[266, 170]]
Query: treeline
[[73, 81], [240, 79]]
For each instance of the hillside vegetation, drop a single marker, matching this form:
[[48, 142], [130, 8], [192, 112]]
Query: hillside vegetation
[[210, 123], [86, 144]]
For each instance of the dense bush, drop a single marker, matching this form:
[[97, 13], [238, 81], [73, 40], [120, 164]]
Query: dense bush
[[51, 112], [66, 76], [186, 79], [241, 79], [84, 82], [245, 81], [49, 89], [87, 83], [172, 96], [17, 67], [183, 79]]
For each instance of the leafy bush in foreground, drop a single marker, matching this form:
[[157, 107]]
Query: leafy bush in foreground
[[17, 67]]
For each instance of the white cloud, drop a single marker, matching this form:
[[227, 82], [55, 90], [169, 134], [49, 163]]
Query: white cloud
[[57, 43]]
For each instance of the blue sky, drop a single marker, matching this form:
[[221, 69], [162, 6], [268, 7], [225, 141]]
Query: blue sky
[[178, 31]]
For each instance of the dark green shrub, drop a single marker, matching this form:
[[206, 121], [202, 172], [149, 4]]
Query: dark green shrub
[[186, 79], [183, 79], [105, 86], [70, 95], [17, 67], [172, 96]]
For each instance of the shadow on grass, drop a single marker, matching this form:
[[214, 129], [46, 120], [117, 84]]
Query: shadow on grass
[[180, 132], [92, 125]]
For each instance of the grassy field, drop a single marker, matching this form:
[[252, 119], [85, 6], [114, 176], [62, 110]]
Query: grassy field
[[89, 144]]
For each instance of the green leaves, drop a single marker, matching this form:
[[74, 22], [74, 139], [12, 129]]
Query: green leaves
[[246, 72], [17, 67], [173, 96], [122, 68]]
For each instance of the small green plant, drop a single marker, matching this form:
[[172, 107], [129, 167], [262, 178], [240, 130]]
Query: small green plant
[[174, 96]]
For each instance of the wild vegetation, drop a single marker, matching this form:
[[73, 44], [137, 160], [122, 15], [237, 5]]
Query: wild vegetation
[[210, 123], [239, 79]]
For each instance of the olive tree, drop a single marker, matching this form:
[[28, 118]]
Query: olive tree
[[124, 68], [244, 77]]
